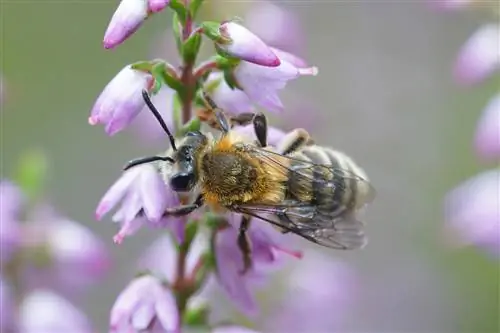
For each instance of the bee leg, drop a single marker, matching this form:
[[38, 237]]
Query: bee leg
[[260, 128], [294, 141], [244, 244], [184, 209], [243, 119], [220, 117]]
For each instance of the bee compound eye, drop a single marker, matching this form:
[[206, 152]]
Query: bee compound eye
[[182, 181]]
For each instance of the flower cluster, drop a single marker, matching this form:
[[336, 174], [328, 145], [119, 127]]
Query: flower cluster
[[246, 72], [473, 208], [47, 259]]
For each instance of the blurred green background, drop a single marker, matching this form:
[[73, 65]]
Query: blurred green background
[[384, 94]]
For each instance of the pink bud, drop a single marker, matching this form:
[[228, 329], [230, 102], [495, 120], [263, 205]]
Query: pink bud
[[487, 140], [157, 5], [127, 18]]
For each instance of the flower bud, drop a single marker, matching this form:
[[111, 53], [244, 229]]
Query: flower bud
[[157, 5], [246, 45], [127, 18], [121, 100], [487, 140]]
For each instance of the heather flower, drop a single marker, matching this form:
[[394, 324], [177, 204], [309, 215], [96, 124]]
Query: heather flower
[[267, 249], [274, 135], [480, 56], [233, 329], [326, 289], [472, 212], [121, 100], [275, 25], [157, 5], [145, 304], [11, 202], [487, 140], [261, 84], [233, 101], [6, 308], [63, 254], [45, 311], [144, 197], [245, 45], [127, 18]]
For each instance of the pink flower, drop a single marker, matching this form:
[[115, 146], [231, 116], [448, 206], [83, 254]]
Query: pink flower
[[144, 196], [450, 4], [47, 312], [11, 203], [274, 135], [480, 56], [233, 329], [121, 100], [145, 305], [7, 313], [472, 212], [246, 45], [261, 84], [127, 18], [487, 140], [233, 101], [157, 5]]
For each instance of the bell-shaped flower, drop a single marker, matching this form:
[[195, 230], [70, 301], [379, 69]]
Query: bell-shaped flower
[[121, 100], [157, 5], [7, 312], [261, 84], [487, 140], [242, 43], [472, 213], [145, 305], [127, 18], [480, 56], [63, 255], [233, 101], [144, 196], [44, 311], [11, 203], [274, 135], [268, 248], [232, 329]]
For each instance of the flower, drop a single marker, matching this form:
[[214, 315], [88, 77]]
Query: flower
[[142, 190], [275, 25], [450, 4], [487, 140], [157, 5], [11, 203], [121, 100], [44, 311], [233, 329], [261, 83], [267, 250], [62, 254], [316, 281], [127, 18], [472, 212], [233, 101], [145, 304], [274, 135], [6, 308], [246, 45], [480, 56]]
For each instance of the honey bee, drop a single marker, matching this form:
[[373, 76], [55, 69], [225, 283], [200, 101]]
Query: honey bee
[[299, 187]]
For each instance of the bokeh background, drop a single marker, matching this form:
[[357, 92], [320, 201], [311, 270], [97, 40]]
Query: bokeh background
[[384, 94]]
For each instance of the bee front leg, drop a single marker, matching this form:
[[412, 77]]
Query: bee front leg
[[244, 244], [184, 209]]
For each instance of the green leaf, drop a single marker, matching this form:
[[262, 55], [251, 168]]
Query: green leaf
[[143, 66], [191, 230], [181, 11], [193, 125], [197, 317], [160, 73], [32, 172], [191, 48], [177, 29], [211, 30], [226, 62], [230, 80], [194, 6], [177, 109]]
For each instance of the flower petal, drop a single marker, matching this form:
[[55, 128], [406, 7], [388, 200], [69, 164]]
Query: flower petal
[[487, 140], [127, 18]]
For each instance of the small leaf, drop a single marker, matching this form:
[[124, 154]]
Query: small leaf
[[32, 172], [226, 62], [180, 10], [177, 29], [197, 317], [191, 48], [143, 66], [193, 125], [191, 230], [211, 30], [194, 6], [230, 80], [160, 73]]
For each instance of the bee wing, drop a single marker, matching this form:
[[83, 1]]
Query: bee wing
[[344, 233]]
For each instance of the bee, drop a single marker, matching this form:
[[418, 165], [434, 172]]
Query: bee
[[298, 186]]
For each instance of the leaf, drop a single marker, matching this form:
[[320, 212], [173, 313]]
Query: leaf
[[32, 172], [191, 48]]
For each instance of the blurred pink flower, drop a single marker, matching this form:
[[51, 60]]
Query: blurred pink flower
[[43, 311], [233, 329], [233, 101], [480, 56], [472, 212], [268, 248], [121, 100], [145, 305], [261, 84], [246, 45], [487, 140], [2, 90], [144, 196], [62, 254], [320, 286], [127, 18], [11, 203], [7, 313], [450, 4], [275, 25], [274, 135]]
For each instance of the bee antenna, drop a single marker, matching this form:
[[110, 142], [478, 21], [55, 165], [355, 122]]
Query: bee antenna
[[158, 117]]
